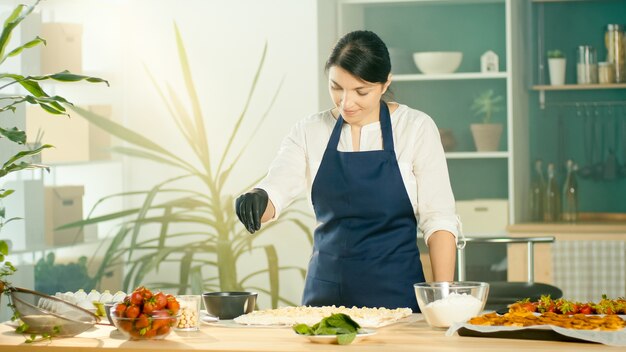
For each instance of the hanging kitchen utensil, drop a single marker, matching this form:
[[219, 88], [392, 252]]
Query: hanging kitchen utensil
[[610, 165], [622, 139], [588, 142], [598, 159], [562, 142]]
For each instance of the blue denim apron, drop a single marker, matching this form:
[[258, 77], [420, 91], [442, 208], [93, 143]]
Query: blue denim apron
[[365, 250]]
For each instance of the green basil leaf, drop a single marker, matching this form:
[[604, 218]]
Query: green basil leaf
[[326, 331], [346, 339], [303, 329]]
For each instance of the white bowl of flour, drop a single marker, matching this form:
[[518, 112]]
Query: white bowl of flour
[[448, 302]]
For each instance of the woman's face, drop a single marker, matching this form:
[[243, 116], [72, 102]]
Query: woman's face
[[358, 101]]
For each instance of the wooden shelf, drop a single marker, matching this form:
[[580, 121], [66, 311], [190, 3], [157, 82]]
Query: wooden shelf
[[449, 76], [477, 155], [580, 86], [543, 88], [454, 2]]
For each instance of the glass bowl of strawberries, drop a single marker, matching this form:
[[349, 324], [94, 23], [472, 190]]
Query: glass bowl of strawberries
[[144, 315]]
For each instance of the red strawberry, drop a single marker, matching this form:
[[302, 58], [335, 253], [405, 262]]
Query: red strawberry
[[172, 304], [132, 311], [136, 298], [160, 300]]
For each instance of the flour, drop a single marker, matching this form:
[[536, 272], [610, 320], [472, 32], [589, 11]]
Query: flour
[[454, 308]]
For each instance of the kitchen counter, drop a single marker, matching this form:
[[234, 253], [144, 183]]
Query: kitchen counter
[[610, 228], [586, 227], [412, 334]]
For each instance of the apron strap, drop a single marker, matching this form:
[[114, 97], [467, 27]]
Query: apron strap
[[385, 127]]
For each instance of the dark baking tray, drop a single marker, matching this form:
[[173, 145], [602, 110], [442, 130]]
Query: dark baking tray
[[525, 334]]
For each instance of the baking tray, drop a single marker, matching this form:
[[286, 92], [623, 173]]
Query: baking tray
[[526, 334], [541, 332]]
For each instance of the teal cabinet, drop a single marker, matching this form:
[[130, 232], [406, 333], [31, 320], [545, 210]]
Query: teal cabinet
[[585, 123]]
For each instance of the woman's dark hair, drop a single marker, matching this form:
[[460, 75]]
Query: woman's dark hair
[[363, 54]]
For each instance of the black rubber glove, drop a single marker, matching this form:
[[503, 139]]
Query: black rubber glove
[[250, 207]]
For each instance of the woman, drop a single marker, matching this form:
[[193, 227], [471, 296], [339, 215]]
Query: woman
[[372, 168]]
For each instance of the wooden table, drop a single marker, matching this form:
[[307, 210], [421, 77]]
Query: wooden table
[[413, 334]]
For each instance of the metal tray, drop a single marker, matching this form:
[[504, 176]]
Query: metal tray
[[526, 334]]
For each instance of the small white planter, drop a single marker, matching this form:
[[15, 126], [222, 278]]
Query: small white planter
[[556, 67]]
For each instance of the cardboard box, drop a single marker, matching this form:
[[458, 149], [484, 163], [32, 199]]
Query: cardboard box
[[68, 135], [63, 205], [484, 217], [64, 48], [74, 138]]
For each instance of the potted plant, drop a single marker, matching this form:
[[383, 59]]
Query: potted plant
[[487, 134], [194, 214], [36, 95], [556, 67]]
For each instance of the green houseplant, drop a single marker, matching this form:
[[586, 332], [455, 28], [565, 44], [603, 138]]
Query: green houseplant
[[33, 94], [198, 230], [487, 134]]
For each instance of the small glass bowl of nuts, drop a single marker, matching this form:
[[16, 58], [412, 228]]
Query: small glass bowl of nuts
[[189, 312]]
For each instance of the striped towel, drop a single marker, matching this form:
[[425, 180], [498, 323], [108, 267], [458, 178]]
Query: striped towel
[[585, 270]]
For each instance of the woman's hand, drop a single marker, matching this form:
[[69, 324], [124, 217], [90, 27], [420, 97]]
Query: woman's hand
[[250, 207]]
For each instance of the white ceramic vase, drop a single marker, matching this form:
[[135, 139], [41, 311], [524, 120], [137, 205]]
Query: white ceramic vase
[[487, 136], [556, 67]]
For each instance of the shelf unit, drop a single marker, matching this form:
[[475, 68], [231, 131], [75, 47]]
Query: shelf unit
[[450, 76], [559, 131], [99, 176], [472, 27]]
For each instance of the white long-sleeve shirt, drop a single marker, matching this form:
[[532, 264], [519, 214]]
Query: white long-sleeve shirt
[[418, 149]]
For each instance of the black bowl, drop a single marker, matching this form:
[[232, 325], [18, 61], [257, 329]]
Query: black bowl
[[229, 305]]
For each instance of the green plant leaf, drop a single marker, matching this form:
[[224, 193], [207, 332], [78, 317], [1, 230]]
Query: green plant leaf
[[185, 269], [272, 264], [5, 193], [202, 143], [26, 153], [233, 134], [17, 16], [14, 135], [184, 123], [31, 86], [196, 280], [4, 248], [251, 138], [27, 45], [138, 153], [126, 134], [67, 76]]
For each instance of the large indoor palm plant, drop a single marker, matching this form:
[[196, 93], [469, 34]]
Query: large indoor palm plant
[[32, 93], [197, 227]]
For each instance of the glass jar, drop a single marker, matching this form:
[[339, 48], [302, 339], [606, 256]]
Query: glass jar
[[615, 51], [606, 73], [587, 65]]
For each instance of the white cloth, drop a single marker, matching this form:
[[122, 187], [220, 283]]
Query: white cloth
[[585, 270], [418, 149]]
